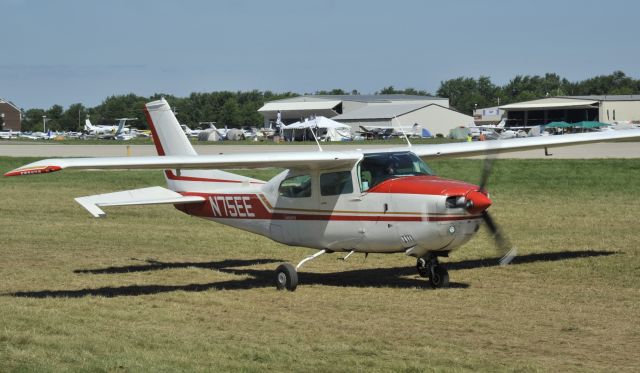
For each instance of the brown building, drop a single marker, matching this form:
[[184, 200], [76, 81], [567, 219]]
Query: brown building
[[10, 115]]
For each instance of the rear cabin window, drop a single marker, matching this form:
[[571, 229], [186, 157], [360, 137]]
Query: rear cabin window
[[296, 187], [335, 183]]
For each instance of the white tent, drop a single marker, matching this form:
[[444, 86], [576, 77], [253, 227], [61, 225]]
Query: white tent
[[326, 129]]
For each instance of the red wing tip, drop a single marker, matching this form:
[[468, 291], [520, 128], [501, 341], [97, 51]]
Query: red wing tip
[[33, 171]]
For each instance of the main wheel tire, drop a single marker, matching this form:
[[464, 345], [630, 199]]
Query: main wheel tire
[[286, 277], [439, 277]]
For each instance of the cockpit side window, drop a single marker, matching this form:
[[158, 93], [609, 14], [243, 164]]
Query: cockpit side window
[[334, 183], [296, 187], [378, 167]]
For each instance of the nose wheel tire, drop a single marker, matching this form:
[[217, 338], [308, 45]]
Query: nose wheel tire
[[429, 267], [439, 277], [286, 277]]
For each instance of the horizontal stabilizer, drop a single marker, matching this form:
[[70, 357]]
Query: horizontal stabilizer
[[145, 196]]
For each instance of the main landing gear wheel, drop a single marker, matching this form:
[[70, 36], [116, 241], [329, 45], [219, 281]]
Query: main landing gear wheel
[[286, 277]]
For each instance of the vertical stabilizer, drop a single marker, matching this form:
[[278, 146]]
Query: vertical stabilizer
[[120, 129], [168, 136], [87, 125], [170, 139]]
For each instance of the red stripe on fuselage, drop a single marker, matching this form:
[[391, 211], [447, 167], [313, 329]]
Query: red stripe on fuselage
[[154, 133], [250, 206]]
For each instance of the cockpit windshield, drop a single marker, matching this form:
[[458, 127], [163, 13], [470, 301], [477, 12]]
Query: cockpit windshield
[[378, 167]]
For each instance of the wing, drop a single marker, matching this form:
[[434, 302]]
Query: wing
[[325, 160], [144, 196], [468, 149]]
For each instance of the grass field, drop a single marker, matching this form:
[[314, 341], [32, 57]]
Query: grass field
[[151, 289]]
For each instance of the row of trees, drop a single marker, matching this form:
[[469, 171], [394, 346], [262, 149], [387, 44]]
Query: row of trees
[[465, 93], [227, 108], [235, 109]]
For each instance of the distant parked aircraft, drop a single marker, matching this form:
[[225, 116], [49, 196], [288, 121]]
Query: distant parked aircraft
[[118, 132], [106, 129], [189, 132]]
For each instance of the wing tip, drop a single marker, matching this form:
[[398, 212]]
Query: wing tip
[[33, 170]]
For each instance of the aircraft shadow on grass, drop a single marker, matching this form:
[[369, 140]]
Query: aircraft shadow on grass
[[398, 277]]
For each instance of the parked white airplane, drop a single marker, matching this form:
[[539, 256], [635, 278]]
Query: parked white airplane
[[189, 132], [121, 133], [38, 135], [107, 130], [9, 134], [99, 129], [367, 201]]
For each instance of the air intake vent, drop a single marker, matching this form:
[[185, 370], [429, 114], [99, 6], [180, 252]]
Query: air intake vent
[[407, 239]]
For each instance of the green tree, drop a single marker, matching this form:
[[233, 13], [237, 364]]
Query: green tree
[[54, 114], [463, 93], [32, 120], [616, 83], [123, 106], [390, 90], [73, 118], [230, 113], [335, 91]]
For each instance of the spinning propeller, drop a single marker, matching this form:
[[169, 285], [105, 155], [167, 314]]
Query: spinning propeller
[[503, 245]]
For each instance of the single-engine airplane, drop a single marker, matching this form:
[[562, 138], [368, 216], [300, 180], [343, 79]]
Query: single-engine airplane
[[117, 132], [365, 201]]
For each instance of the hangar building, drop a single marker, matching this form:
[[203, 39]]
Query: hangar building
[[10, 115], [413, 118], [607, 109], [431, 113]]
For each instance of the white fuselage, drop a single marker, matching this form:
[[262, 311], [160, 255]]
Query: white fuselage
[[374, 221]]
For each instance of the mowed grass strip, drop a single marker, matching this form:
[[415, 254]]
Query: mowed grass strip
[[151, 289]]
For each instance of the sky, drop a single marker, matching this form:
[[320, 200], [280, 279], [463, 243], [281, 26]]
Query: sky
[[83, 51]]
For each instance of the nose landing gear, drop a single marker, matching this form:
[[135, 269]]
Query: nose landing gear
[[428, 266]]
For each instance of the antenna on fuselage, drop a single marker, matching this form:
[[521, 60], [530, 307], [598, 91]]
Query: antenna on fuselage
[[402, 129], [314, 134]]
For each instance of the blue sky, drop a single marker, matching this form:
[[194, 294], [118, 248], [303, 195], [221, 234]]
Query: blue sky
[[69, 51]]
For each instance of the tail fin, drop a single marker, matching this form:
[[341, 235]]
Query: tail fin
[[87, 125], [170, 139], [168, 136], [120, 129]]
